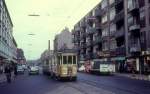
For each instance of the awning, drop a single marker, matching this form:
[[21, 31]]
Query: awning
[[118, 59]]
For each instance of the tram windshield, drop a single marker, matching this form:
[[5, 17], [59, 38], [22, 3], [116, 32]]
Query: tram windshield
[[69, 59]]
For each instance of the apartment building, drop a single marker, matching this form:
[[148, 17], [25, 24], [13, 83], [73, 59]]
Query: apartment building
[[8, 45], [20, 56], [116, 31], [63, 40]]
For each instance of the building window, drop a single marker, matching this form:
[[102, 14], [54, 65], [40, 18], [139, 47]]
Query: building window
[[105, 32], [104, 18], [112, 13], [104, 4], [148, 43], [111, 1], [130, 20], [149, 15], [105, 46], [142, 19], [141, 3], [113, 44], [130, 4], [112, 29]]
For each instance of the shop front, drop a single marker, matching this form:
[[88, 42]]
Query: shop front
[[146, 56], [120, 63], [133, 65]]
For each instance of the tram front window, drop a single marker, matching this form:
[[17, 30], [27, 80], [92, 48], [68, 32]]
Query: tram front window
[[64, 59], [74, 59], [69, 59]]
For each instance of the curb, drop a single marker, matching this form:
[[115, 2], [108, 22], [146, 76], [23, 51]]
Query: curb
[[134, 77], [2, 78]]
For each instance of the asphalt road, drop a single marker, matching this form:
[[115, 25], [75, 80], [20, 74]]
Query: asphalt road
[[86, 84]]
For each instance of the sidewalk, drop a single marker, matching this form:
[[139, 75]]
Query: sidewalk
[[2, 78], [134, 76]]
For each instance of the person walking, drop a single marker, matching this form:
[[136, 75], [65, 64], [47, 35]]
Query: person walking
[[15, 70], [8, 73]]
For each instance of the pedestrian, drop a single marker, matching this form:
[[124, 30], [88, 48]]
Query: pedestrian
[[8, 73], [15, 70]]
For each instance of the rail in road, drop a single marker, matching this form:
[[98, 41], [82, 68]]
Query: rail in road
[[114, 88]]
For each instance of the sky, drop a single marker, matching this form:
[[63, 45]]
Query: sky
[[55, 15]]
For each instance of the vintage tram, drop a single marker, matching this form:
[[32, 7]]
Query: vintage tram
[[64, 65]]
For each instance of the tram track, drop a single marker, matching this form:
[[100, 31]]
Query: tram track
[[97, 84]]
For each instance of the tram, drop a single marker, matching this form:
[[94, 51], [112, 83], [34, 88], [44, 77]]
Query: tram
[[64, 65]]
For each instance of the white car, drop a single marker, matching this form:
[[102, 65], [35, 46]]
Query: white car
[[82, 68], [34, 70], [20, 70]]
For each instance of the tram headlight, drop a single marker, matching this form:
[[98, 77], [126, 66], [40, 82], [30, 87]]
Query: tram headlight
[[64, 70]]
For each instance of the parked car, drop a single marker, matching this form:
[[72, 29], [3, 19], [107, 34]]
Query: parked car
[[20, 70], [34, 70], [81, 69]]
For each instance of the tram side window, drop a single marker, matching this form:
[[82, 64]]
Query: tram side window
[[69, 59], [74, 59], [64, 60]]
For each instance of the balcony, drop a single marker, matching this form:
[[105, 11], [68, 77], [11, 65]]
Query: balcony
[[98, 25], [77, 28], [89, 55], [91, 18], [74, 40], [121, 51], [83, 24], [98, 13], [134, 8], [83, 52], [90, 30], [135, 47], [119, 33], [89, 44], [83, 46], [118, 2], [96, 56], [98, 40], [119, 16], [82, 36], [134, 27]]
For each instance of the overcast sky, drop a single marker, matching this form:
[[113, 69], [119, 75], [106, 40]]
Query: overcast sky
[[54, 16]]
